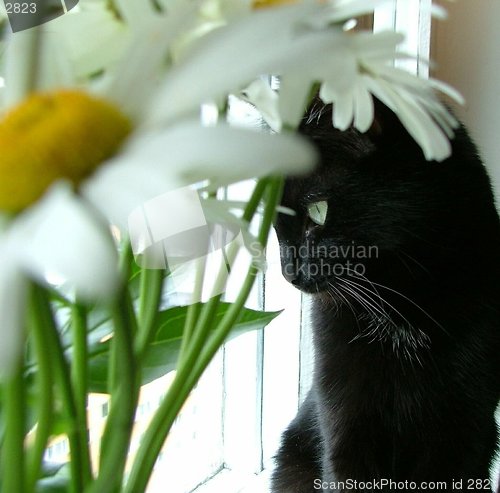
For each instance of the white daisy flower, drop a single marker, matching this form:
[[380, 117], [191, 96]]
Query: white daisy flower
[[70, 54], [212, 15], [86, 54], [99, 146], [304, 44], [411, 98]]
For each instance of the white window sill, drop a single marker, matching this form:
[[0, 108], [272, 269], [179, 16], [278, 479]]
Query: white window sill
[[227, 481]]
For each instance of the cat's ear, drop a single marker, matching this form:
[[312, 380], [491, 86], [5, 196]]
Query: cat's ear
[[385, 123], [376, 127]]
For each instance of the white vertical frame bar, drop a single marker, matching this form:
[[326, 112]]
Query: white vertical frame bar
[[243, 358], [407, 22], [424, 48], [281, 355], [413, 19], [306, 355]]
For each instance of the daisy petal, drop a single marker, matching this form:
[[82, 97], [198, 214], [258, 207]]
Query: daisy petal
[[343, 111], [451, 92], [377, 88], [136, 75], [422, 128], [269, 40], [375, 46], [20, 55], [86, 55], [294, 91], [12, 310], [135, 13], [260, 94], [60, 239], [222, 154], [344, 10], [363, 106], [438, 12], [131, 187]]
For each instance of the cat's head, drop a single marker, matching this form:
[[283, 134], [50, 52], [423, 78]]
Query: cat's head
[[375, 207]]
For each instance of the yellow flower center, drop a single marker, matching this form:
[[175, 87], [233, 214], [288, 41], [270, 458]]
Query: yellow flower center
[[64, 134], [259, 4]]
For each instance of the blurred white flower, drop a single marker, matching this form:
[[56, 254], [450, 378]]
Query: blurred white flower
[[62, 236], [69, 54], [88, 54], [211, 15]]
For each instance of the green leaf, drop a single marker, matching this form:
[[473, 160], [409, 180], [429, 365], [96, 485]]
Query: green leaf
[[164, 350], [50, 469], [55, 479], [53, 485]]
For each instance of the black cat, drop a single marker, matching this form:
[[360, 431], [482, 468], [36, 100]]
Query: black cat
[[402, 257]]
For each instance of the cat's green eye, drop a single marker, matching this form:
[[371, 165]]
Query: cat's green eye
[[317, 212]]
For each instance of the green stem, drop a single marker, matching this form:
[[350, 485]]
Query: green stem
[[114, 371], [192, 315], [76, 431], [184, 382], [126, 259], [194, 363], [12, 463], [255, 199], [79, 378], [231, 316], [199, 321], [45, 382], [149, 303], [193, 311], [124, 397], [207, 313]]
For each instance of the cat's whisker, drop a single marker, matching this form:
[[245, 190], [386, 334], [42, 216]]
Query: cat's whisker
[[372, 308], [349, 304], [414, 304], [335, 302], [407, 267], [359, 286], [386, 328], [378, 318], [362, 277], [415, 261], [358, 274], [367, 300]]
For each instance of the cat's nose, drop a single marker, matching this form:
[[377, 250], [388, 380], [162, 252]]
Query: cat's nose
[[289, 272], [289, 262]]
